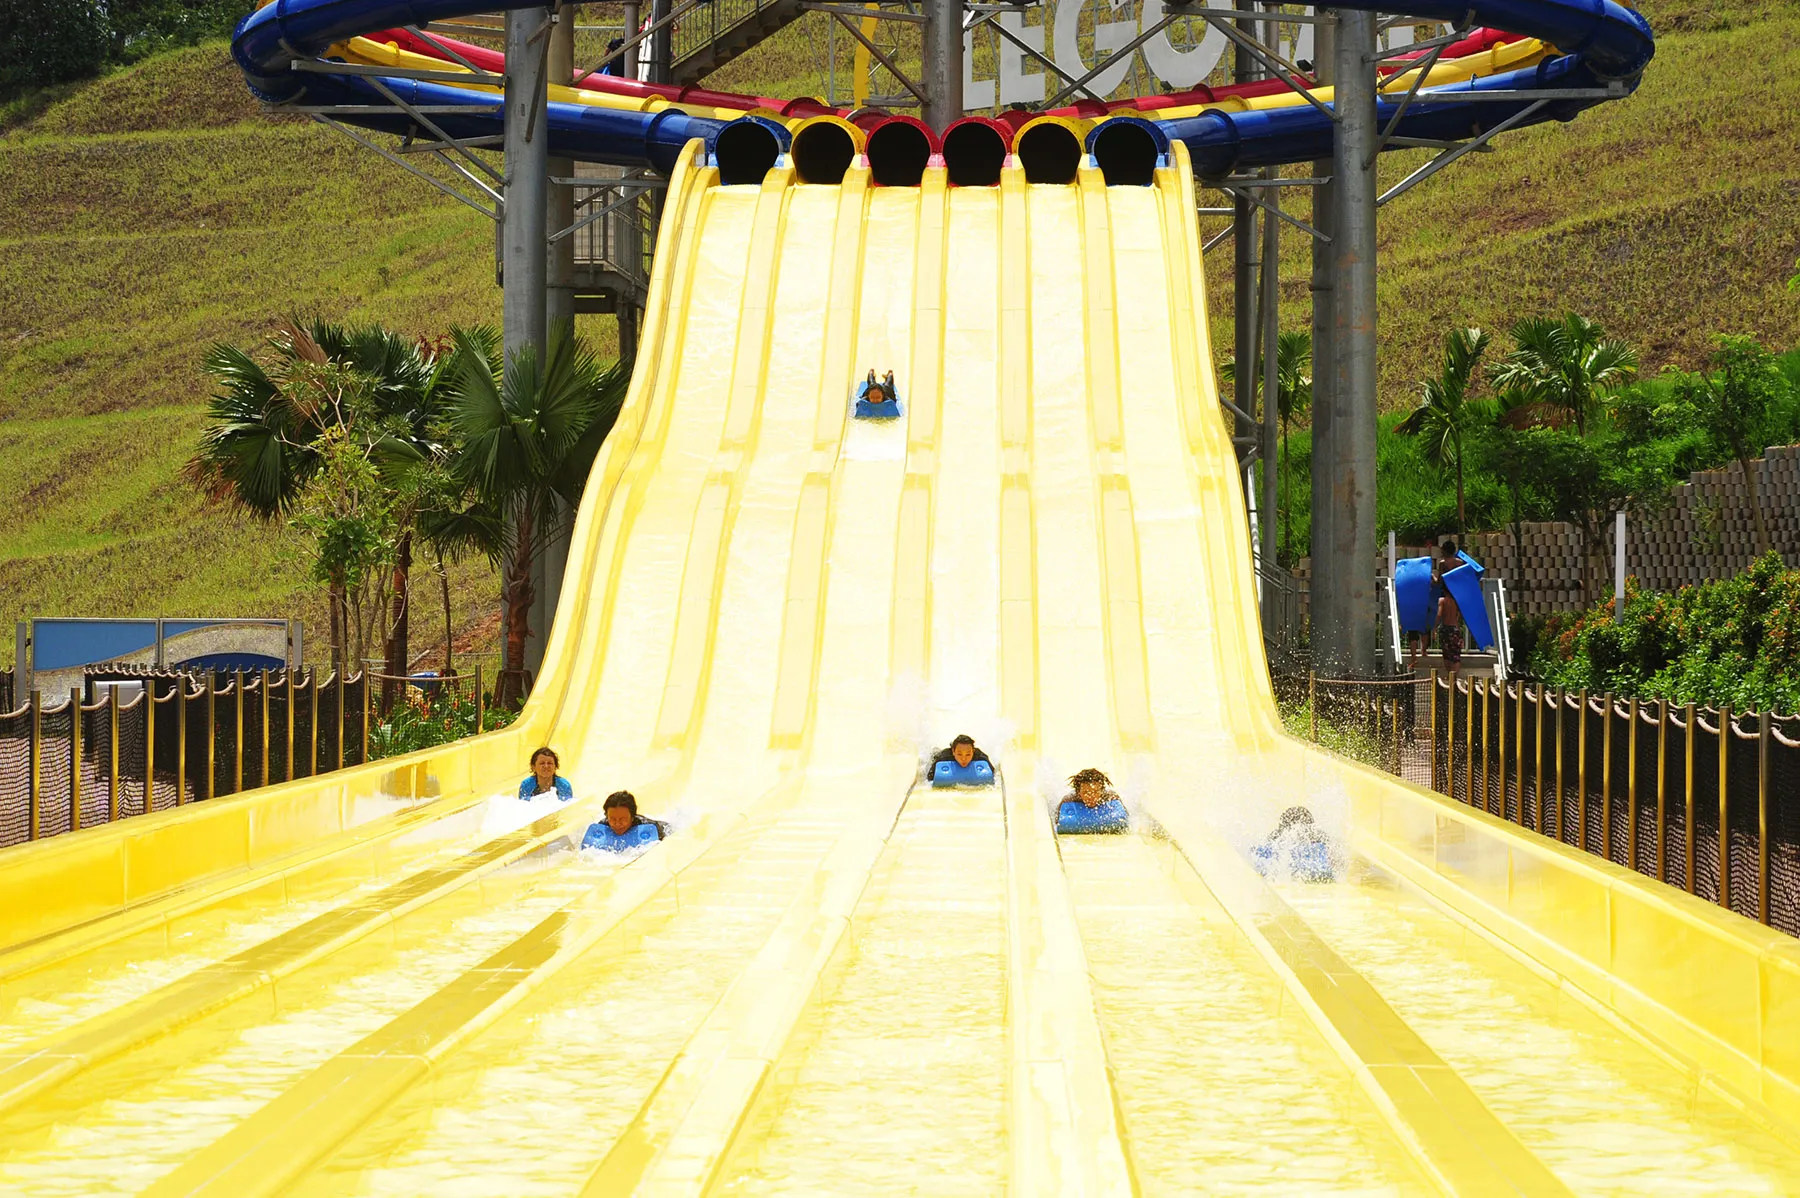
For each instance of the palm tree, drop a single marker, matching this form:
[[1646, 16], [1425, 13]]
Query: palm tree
[[1569, 365], [529, 434], [1444, 412], [454, 523], [1293, 398], [260, 445]]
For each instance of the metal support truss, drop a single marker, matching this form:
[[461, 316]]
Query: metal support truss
[[617, 54], [1032, 52], [492, 214], [1244, 193], [1448, 156], [879, 55], [872, 14], [1144, 36], [1277, 66]]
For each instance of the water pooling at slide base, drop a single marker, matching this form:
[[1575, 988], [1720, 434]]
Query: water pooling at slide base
[[834, 979]]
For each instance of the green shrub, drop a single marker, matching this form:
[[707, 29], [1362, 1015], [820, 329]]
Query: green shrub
[[1736, 641], [46, 42], [424, 722], [43, 42]]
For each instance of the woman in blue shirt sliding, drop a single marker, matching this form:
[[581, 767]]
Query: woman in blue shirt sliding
[[543, 779]]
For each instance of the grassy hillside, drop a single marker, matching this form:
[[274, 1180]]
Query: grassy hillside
[[1668, 217], [150, 213], [143, 217]]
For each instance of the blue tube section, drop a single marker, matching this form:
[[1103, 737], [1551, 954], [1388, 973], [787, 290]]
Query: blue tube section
[[1601, 41], [1221, 142]]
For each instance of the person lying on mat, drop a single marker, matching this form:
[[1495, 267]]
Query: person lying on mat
[[1091, 788], [1298, 846], [543, 779], [962, 751], [622, 815]]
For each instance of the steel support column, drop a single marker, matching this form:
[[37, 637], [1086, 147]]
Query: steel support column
[[1271, 380], [628, 67], [1324, 381], [547, 568], [524, 234], [943, 66], [1245, 249], [1343, 558], [662, 44]]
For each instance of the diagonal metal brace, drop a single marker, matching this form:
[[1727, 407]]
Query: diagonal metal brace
[[492, 214], [1448, 156], [1271, 209], [1081, 83], [880, 56]]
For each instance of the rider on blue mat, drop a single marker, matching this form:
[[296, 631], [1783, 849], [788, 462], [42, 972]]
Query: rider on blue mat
[[543, 779], [962, 751], [622, 815]]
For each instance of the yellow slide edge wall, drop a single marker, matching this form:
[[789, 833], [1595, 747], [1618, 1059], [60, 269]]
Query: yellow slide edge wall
[[75, 878], [1716, 989]]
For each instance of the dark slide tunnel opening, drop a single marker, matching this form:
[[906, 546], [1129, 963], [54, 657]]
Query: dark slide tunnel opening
[[899, 151], [823, 152], [974, 153], [1050, 153], [746, 151]]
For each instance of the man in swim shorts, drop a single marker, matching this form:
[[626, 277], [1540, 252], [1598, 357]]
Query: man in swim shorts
[[1449, 615]]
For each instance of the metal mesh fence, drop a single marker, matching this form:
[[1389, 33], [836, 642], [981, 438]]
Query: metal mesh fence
[[1638, 783], [1784, 826], [179, 739], [15, 776]]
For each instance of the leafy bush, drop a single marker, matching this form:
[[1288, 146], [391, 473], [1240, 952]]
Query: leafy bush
[[1736, 641], [43, 42], [424, 721]]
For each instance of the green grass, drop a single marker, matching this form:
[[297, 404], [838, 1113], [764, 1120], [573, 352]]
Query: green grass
[[1668, 216], [149, 213]]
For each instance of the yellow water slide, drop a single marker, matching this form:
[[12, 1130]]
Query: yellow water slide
[[834, 980]]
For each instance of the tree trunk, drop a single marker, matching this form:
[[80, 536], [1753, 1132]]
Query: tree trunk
[[1756, 513], [1287, 504], [1462, 517], [396, 656], [449, 640], [339, 611], [518, 594]]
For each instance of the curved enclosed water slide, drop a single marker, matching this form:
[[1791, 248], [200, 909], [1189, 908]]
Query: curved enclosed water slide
[[832, 979], [1601, 50]]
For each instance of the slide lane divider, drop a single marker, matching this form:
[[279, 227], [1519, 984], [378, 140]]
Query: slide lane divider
[[1462, 1145], [279, 878], [684, 1131], [270, 1150], [26, 1075], [1067, 1137], [709, 542]]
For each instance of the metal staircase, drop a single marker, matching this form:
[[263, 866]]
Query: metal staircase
[[719, 31]]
